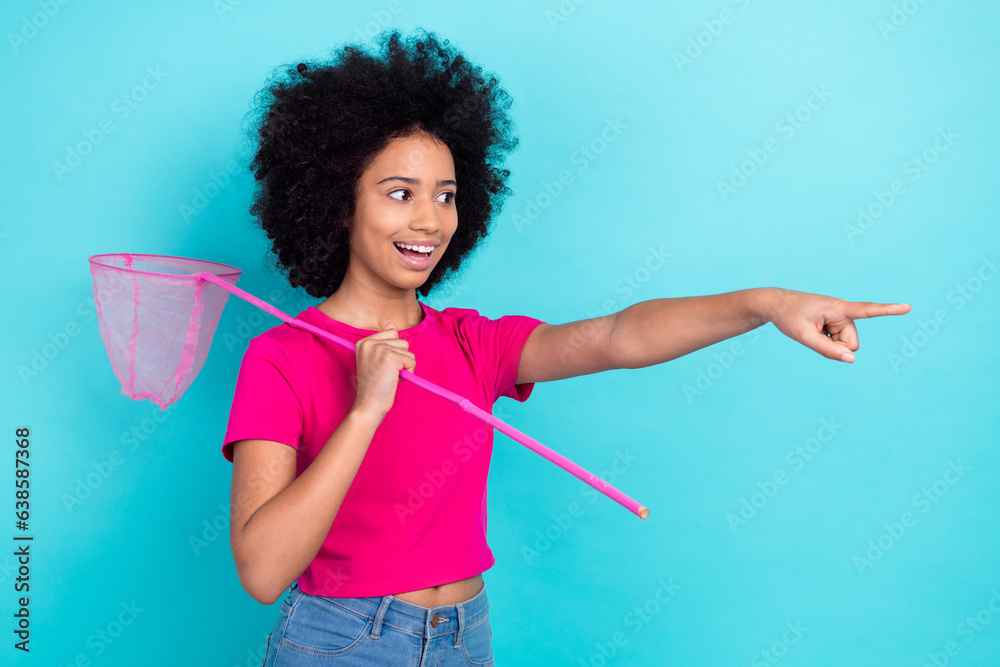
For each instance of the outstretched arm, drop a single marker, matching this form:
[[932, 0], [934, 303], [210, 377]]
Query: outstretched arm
[[655, 331]]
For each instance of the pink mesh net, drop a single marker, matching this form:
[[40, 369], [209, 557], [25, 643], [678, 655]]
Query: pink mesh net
[[157, 318]]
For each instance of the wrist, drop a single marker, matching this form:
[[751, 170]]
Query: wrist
[[762, 303], [366, 415]]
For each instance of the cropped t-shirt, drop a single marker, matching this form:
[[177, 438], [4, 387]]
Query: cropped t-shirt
[[415, 514]]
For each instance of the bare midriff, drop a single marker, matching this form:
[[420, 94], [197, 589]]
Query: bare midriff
[[453, 593]]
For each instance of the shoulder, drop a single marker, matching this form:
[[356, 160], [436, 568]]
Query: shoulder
[[278, 344], [449, 319], [456, 315], [465, 323], [467, 316], [469, 325]]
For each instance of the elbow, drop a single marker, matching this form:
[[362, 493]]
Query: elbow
[[258, 587], [258, 583], [266, 597]]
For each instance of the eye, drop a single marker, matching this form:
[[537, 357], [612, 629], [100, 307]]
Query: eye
[[395, 191], [450, 201]]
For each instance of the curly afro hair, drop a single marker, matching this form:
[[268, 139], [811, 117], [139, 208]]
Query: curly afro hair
[[321, 124]]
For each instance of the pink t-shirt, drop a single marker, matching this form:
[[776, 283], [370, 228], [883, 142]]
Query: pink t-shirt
[[415, 514]]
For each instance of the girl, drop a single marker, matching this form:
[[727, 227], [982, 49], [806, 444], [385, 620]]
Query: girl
[[366, 496]]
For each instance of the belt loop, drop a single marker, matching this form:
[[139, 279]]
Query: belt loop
[[377, 625], [460, 616]]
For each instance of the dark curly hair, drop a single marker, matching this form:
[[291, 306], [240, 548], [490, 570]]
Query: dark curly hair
[[321, 124]]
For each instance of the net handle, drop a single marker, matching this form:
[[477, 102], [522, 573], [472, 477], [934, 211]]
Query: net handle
[[464, 403]]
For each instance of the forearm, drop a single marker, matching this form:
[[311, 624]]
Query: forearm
[[652, 332], [284, 535]]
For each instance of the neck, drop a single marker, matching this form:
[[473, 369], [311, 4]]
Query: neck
[[367, 307]]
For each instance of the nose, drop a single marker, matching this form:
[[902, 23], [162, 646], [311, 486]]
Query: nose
[[426, 216]]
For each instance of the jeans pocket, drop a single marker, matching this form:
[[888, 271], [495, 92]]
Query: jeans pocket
[[289, 601], [319, 627], [477, 643], [267, 647]]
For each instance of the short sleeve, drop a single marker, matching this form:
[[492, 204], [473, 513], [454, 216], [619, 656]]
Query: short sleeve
[[500, 343], [265, 403]]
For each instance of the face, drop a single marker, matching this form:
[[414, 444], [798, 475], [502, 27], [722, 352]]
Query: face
[[407, 195]]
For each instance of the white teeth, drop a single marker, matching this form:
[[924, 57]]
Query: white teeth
[[418, 248]]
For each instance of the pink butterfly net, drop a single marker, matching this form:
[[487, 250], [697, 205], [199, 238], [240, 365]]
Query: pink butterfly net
[[157, 315], [157, 320]]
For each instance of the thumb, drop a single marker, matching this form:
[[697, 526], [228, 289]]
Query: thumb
[[389, 325], [828, 347]]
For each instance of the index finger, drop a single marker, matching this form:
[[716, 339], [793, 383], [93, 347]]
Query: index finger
[[859, 309]]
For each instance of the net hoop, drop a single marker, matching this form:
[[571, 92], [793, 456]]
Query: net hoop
[[103, 261]]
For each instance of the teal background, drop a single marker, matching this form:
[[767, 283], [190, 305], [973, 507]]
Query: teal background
[[921, 394]]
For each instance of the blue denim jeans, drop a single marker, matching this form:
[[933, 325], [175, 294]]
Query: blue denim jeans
[[383, 631]]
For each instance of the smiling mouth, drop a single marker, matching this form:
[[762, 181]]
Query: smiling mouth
[[415, 260], [413, 254]]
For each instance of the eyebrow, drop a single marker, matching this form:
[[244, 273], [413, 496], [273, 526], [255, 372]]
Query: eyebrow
[[414, 181]]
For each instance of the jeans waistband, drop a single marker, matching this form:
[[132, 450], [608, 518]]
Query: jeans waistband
[[424, 621]]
